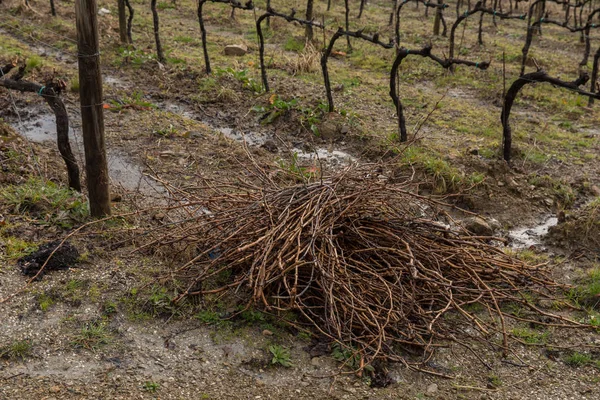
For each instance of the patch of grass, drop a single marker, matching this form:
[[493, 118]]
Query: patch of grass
[[564, 194], [532, 257], [476, 178], [293, 44], [275, 108], [209, 317], [346, 355], [242, 76], [136, 100], [33, 62], [252, 316], [530, 336], [19, 349], [578, 359], [75, 85], [15, 248], [159, 302], [167, 132], [163, 5], [49, 202], [45, 301], [183, 39], [494, 381], [153, 303], [446, 178], [281, 356], [588, 288], [109, 308], [92, 336], [135, 57], [73, 292]]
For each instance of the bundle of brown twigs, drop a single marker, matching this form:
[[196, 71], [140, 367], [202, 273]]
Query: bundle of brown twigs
[[365, 262]]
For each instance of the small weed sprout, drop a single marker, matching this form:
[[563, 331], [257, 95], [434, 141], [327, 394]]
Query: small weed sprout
[[349, 357], [494, 381], [281, 356], [45, 301], [150, 386], [92, 336]]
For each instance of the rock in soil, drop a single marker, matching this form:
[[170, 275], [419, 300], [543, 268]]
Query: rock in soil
[[478, 226], [236, 50], [64, 257]]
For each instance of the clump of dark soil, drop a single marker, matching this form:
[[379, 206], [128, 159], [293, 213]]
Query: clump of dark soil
[[49, 257]]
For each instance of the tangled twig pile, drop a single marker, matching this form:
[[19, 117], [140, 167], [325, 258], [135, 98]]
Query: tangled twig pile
[[365, 262]]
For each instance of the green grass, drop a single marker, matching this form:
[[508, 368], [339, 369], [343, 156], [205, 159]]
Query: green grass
[[150, 386], [209, 317], [163, 5], [183, 39], [15, 248], [75, 85], [588, 288], [293, 44], [494, 381], [49, 202], [530, 336], [136, 99], [578, 359], [33, 62], [445, 177], [17, 350], [45, 301], [92, 336]]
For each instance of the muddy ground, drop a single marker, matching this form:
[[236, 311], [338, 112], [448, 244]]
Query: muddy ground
[[105, 329]]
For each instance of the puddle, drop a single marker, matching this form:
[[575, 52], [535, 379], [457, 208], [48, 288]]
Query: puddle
[[41, 128], [333, 158], [121, 169], [525, 237], [114, 81], [251, 138], [124, 172]]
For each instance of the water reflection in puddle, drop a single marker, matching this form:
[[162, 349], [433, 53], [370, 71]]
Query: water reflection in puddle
[[121, 169]]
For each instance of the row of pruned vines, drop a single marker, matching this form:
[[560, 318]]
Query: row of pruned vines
[[580, 17]]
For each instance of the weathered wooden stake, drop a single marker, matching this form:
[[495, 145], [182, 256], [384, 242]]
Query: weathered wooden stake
[[92, 115], [122, 22]]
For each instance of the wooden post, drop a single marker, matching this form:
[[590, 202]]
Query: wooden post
[[438, 18], [92, 115], [308, 34], [122, 22]]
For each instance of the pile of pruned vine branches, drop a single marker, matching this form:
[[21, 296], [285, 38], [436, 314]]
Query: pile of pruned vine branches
[[364, 261]]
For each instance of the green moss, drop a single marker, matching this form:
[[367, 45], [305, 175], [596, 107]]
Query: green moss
[[530, 336]]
